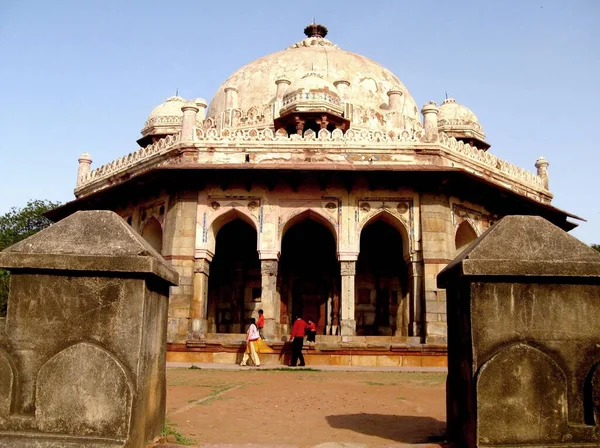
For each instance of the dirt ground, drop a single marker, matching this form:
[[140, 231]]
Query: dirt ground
[[306, 407]]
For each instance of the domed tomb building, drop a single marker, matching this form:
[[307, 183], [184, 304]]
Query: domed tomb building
[[311, 185]]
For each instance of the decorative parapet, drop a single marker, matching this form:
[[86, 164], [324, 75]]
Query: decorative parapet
[[353, 140], [491, 161], [161, 146]]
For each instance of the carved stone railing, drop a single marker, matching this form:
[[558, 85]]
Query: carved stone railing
[[379, 140], [131, 159], [491, 161]]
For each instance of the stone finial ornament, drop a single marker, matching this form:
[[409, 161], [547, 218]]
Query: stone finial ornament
[[542, 170], [430, 123], [202, 105], [85, 161], [315, 30], [231, 97], [188, 125], [395, 96]]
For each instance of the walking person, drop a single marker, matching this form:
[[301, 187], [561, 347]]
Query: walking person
[[311, 331], [297, 339], [252, 337], [260, 324]]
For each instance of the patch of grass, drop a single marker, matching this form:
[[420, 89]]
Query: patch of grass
[[169, 430], [375, 383]]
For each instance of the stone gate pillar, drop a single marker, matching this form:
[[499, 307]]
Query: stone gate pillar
[[270, 302], [200, 298], [83, 348], [348, 323], [524, 338]]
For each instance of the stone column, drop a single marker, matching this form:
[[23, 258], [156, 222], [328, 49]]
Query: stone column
[[342, 88], [269, 297], [202, 105], [396, 104], [430, 113], [231, 98], [348, 324], [200, 297], [188, 125], [85, 161], [542, 170], [415, 309]]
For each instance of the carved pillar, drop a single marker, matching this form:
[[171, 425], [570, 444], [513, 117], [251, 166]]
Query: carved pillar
[[415, 312], [269, 298], [430, 113], [85, 162], [200, 297], [542, 170], [299, 125], [188, 125], [348, 324]]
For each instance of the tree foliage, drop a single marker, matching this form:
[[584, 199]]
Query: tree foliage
[[596, 246], [16, 225]]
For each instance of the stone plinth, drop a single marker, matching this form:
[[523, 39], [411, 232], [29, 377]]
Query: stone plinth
[[524, 338], [82, 351]]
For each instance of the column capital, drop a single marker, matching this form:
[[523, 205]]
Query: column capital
[[202, 266], [203, 253], [347, 256], [348, 268], [269, 267], [268, 254]]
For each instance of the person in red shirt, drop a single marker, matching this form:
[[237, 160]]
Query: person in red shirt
[[260, 323], [297, 339], [311, 331]]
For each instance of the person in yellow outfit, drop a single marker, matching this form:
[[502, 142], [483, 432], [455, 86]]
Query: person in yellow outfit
[[252, 337]]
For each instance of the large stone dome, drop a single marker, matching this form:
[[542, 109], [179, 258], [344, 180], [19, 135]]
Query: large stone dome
[[369, 82]]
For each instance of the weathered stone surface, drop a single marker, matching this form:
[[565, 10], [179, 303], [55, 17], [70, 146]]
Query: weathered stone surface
[[83, 390], [524, 338], [7, 378], [85, 336], [522, 398]]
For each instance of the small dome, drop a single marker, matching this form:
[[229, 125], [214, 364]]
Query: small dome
[[460, 122], [165, 117]]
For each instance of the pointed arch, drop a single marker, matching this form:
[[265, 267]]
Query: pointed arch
[[381, 280], [465, 235], [152, 232], [395, 222], [224, 216], [308, 213]]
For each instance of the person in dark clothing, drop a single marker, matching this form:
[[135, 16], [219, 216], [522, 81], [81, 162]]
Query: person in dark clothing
[[297, 339]]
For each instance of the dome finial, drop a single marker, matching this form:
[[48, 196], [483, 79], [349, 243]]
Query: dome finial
[[315, 30]]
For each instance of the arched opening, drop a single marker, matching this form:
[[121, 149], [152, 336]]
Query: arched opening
[[381, 304], [152, 233], [465, 235], [308, 277], [234, 282]]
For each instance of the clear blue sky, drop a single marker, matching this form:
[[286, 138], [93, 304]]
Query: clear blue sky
[[81, 76]]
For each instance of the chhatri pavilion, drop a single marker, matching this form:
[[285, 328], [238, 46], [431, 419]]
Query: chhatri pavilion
[[312, 185]]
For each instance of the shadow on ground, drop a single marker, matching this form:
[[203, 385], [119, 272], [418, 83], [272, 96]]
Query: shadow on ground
[[399, 428]]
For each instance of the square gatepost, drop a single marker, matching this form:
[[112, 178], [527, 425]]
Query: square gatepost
[[523, 338], [83, 346]]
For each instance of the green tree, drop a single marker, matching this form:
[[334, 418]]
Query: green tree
[[596, 246], [16, 225]]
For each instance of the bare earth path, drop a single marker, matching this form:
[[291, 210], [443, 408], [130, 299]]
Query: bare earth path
[[304, 408]]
